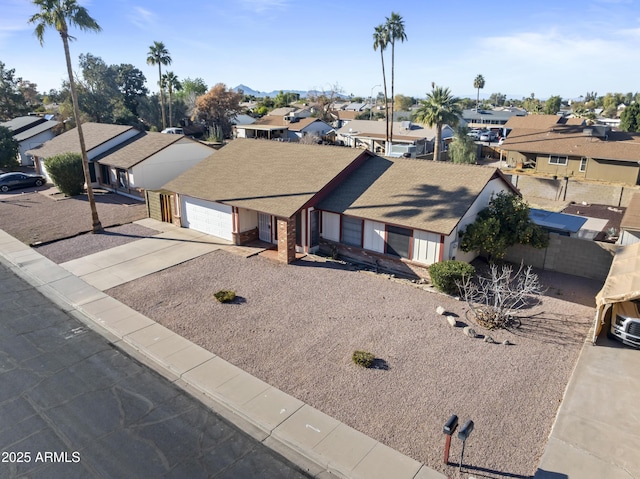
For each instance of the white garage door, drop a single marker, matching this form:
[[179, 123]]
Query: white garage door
[[208, 217]]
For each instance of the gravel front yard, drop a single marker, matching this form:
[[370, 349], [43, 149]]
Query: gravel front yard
[[296, 327], [40, 216]]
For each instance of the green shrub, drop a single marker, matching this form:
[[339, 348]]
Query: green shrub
[[225, 296], [363, 358], [66, 173], [445, 274]]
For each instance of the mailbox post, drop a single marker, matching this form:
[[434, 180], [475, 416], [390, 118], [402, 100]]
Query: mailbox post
[[463, 434], [449, 428]]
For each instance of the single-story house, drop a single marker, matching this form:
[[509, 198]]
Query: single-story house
[[399, 214], [30, 132], [98, 138], [147, 161], [284, 128], [370, 135], [630, 223], [125, 160], [558, 146]]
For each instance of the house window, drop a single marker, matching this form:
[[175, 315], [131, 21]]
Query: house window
[[557, 160], [398, 241], [123, 182], [104, 175], [352, 231], [583, 164]]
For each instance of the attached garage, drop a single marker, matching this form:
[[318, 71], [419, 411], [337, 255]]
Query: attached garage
[[208, 217]]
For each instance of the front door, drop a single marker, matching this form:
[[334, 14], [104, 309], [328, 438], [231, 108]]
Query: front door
[[264, 227]]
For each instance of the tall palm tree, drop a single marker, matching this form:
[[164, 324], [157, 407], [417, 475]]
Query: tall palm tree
[[395, 29], [380, 41], [159, 55], [478, 83], [171, 83], [59, 14], [440, 108]]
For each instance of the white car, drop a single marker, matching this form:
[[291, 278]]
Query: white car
[[173, 131], [475, 134], [488, 136]]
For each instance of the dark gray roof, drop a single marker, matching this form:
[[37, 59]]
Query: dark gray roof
[[35, 130], [22, 123]]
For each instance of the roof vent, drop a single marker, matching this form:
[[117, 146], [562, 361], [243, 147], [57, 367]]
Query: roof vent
[[587, 132]]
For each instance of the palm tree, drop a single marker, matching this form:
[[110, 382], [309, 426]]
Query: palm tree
[[59, 14], [477, 84], [395, 29], [439, 108], [170, 82], [159, 55], [380, 41]]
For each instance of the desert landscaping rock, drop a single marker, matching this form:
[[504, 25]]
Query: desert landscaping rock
[[488, 339], [506, 342], [452, 321], [469, 331], [440, 310], [301, 322]]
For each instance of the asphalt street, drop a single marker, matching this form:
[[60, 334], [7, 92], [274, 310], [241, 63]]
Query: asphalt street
[[73, 406]]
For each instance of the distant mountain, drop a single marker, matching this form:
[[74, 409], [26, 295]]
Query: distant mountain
[[261, 94]]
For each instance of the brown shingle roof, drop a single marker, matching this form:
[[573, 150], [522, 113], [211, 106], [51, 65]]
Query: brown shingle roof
[[631, 218], [572, 141], [95, 134], [139, 148], [541, 122], [427, 195], [266, 176]]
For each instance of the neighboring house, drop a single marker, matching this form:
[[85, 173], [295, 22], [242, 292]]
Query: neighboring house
[[630, 223], [558, 146], [370, 135], [242, 119], [490, 118], [284, 128], [124, 159], [98, 138], [398, 214], [147, 161], [30, 132]]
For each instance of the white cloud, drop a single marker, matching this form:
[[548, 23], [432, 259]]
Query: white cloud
[[142, 18], [264, 5]]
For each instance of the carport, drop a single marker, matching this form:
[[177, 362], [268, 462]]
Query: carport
[[622, 284]]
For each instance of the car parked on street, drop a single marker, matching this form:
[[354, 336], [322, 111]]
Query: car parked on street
[[475, 134], [13, 180]]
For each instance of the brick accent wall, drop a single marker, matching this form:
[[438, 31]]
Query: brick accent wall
[[287, 240], [246, 236]]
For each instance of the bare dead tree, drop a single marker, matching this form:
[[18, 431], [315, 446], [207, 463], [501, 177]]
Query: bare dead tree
[[494, 300]]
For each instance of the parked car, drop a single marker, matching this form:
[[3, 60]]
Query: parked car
[[625, 323], [475, 134], [488, 136], [173, 131], [9, 181]]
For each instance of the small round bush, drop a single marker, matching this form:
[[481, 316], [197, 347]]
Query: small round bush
[[225, 296], [363, 358], [445, 274]]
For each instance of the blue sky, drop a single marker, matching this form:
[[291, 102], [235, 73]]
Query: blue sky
[[546, 47]]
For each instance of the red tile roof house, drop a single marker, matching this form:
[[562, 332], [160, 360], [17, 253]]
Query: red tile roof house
[[125, 160], [399, 214]]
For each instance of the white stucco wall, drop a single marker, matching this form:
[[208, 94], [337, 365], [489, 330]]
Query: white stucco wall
[[30, 143], [482, 201], [159, 169], [247, 220]]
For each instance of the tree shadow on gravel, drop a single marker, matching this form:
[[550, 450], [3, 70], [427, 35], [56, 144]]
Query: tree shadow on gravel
[[552, 328]]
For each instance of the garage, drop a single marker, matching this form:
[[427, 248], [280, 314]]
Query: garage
[[208, 217]]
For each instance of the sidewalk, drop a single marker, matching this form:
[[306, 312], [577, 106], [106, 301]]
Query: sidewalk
[[314, 441]]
